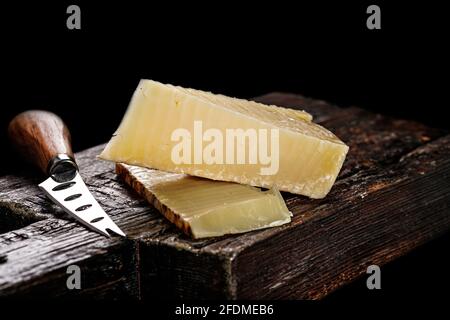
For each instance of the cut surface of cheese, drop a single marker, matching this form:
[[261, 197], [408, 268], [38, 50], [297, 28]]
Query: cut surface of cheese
[[278, 147], [207, 208]]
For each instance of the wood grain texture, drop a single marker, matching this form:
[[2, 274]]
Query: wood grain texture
[[391, 196], [39, 136]]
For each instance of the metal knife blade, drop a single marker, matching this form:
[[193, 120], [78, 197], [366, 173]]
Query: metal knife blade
[[76, 199], [43, 138]]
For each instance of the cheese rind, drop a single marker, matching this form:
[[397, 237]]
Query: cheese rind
[[310, 157], [205, 208]]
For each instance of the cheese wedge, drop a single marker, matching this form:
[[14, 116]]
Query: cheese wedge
[[205, 208], [199, 133]]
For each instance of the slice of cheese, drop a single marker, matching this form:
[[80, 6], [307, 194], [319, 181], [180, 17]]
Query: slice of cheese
[[206, 208], [308, 161]]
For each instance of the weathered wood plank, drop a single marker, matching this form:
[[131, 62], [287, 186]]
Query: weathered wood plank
[[37, 258], [392, 195], [376, 218]]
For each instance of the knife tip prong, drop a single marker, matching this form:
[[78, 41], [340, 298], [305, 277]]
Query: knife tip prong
[[117, 231], [88, 212]]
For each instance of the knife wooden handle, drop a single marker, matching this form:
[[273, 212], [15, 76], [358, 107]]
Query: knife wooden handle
[[43, 139]]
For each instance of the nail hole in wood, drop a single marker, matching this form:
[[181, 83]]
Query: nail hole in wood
[[3, 259]]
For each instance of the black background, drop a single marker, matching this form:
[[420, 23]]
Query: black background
[[323, 51]]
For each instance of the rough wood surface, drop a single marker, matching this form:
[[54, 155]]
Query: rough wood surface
[[392, 195]]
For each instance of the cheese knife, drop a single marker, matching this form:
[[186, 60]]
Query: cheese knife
[[43, 139]]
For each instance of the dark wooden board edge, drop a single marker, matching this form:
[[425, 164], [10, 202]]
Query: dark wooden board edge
[[387, 223], [151, 237], [108, 268]]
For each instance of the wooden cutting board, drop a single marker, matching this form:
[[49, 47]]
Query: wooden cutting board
[[392, 195]]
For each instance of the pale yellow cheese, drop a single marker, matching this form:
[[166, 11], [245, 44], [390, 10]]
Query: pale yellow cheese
[[310, 157], [207, 208]]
